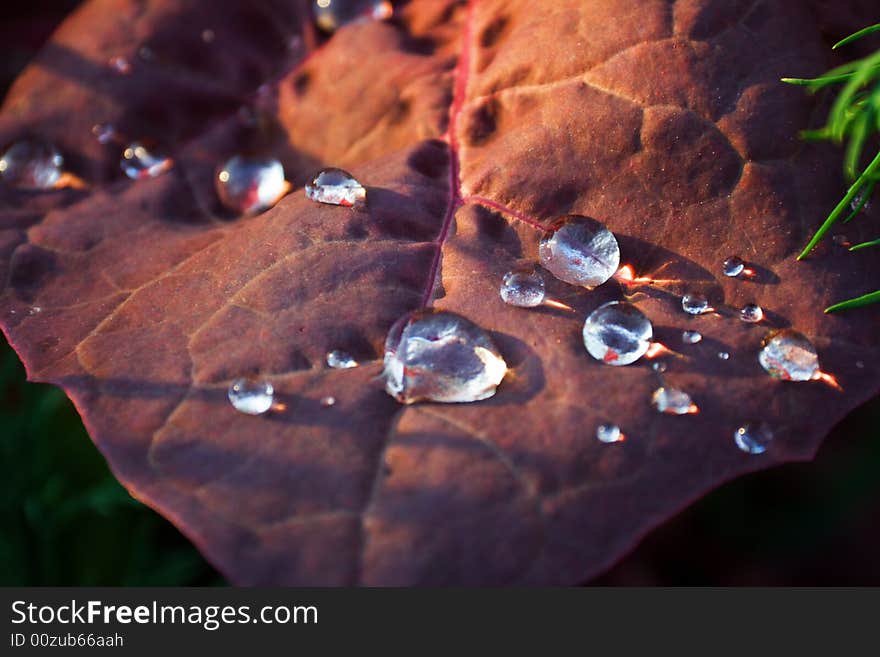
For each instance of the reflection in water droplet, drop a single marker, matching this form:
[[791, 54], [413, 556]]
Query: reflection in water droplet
[[104, 132], [580, 251], [659, 366], [251, 396], [694, 304], [340, 360], [789, 355], [336, 187], [733, 266], [691, 337], [523, 287], [751, 313], [609, 433], [673, 401], [440, 356], [330, 15], [120, 65], [617, 333], [753, 438], [249, 185], [142, 160], [328, 401], [723, 355], [31, 164]]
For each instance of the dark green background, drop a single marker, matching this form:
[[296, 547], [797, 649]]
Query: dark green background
[[66, 521]]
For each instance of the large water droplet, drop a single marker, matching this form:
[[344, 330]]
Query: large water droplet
[[251, 396], [751, 313], [753, 438], [733, 266], [673, 401], [340, 360], [440, 356], [144, 160], [31, 164], [691, 337], [789, 355], [694, 303], [249, 184], [523, 287], [580, 251], [617, 333], [609, 433], [336, 187], [330, 15]]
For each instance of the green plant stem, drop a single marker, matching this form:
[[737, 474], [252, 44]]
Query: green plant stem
[[856, 36], [864, 300], [865, 245]]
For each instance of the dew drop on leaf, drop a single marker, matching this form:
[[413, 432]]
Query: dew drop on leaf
[[673, 401], [328, 401], [751, 313], [753, 438], [609, 433], [789, 355], [340, 360], [694, 303], [249, 185], [723, 355], [120, 65], [31, 164], [251, 396], [617, 333], [104, 132], [330, 15], [523, 287], [580, 251], [336, 187], [142, 160], [733, 266], [440, 356], [691, 337]]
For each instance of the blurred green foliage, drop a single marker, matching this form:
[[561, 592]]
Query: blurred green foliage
[[65, 519]]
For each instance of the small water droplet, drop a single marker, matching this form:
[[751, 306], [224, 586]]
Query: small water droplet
[[789, 355], [31, 163], [104, 132], [694, 303], [723, 355], [142, 160], [753, 438], [659, 366], [841, 240], [328, 401], [120, 65], [330, 15], [751, 313], [580, 251], [34, 310], [336, 187], [609, 433], [440, 356], [208, 36], [857, 200], [251, 396], [617, 333], [733, 266], [691, 337], [249, 185], [523, 287], [340, 360], [673, 401]]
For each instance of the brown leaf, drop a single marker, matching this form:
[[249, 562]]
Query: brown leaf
[[472, 126]]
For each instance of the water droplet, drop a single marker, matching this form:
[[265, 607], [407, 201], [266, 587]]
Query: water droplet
[[691, 337], [733, 266], [330, 15], [104, 132], [789, 355], [34, 310], [751, 313], [609, 433], [142, 160], [208, 36], [340, 360], [251, 396], [31, 164], [580, 251], [120, 65], [249, 185], [440, 356], [328, 401], [673, 401], [659, 366], [617, 333], [857, 200], [723, 355], [841, 240], [694, 304], [336, 187], [523, 287], [753, 438]]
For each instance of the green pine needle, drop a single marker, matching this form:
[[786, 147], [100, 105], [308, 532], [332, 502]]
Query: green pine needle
[[856, 36], [865, 245], [864, 300]]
